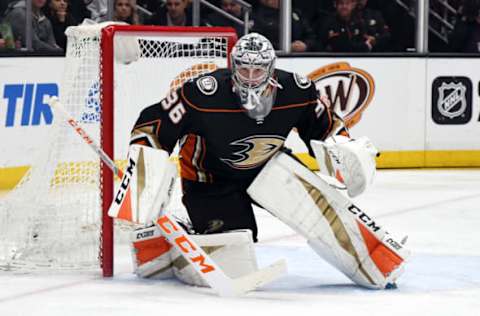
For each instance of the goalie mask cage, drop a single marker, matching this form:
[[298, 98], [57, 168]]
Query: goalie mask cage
[[56, 217]]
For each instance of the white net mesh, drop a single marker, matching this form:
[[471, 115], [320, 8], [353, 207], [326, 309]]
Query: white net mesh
[[52, 219]]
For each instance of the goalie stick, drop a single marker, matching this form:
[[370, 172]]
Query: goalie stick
[[178, 237], [54, 102]]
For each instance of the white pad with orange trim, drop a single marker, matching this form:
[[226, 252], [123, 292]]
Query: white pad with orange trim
[[351, 161], [151, 253], [146, 186], [335, 228], [154, 257]]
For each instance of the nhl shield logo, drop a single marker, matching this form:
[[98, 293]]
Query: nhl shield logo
[[452, 100]]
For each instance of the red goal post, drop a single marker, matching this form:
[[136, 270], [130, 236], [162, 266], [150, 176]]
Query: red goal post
[[108, 101]]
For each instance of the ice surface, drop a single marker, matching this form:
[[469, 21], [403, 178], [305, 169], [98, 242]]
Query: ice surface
[[438, 209]]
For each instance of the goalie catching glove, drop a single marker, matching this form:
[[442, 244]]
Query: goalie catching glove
[[350, 161]]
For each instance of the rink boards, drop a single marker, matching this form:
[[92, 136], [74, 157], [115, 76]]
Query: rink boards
[[420, 112]]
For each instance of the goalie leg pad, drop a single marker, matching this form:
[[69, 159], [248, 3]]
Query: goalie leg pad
[[335, 228]]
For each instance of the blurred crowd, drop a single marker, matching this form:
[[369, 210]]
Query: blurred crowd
[[317, 25]]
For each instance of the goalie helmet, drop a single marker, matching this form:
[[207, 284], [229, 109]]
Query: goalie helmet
[[253, 64]]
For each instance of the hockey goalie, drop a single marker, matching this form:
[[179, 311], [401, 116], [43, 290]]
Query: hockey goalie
[[231, 125]]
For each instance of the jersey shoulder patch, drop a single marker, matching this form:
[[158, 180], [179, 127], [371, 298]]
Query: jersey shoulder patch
[[207, 85], [301, 81]]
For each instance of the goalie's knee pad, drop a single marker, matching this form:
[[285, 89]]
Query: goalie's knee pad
[[151, 253], [335, 228], [154, 256]]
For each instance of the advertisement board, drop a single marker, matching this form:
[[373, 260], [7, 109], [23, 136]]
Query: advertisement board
[[419, 112]]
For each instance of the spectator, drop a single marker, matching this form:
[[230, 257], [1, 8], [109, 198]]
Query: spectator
[[254, 3], [4, 4], [59, 15], [150, 5], [401, 25], [98, 9], [126, 11], [465, 37], [173, 13], [78, 10], [6, 37], [231, 7], [374, 25], [314, 10], [42, 32], [267, 20], [343, 33]]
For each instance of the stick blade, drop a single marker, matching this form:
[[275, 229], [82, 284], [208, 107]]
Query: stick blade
[[260, 277]]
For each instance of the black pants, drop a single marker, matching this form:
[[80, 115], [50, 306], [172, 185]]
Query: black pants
[[217, 207]]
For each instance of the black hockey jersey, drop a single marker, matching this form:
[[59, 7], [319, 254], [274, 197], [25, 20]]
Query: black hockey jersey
[[218, 141]]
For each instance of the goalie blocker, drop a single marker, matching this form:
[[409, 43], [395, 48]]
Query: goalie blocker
[[147, 186], [338, 231]]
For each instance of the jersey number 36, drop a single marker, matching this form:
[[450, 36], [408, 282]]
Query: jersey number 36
[[175, 109]]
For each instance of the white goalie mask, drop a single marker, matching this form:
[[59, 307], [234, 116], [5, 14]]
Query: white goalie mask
[[253, 64]]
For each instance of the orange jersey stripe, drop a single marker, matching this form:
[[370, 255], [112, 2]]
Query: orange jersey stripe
[[187, 171], [202, 162], [139, 142], [296, 105], [154, 123]]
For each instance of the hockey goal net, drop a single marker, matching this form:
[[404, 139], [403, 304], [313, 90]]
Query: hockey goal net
[[55, 218]]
